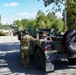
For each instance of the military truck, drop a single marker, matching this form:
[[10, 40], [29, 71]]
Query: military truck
[[45, 52]]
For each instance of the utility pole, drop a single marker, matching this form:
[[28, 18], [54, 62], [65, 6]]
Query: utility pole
[[64, 13], [65, 20]]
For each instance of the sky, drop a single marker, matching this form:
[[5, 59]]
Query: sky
[[11, 10]]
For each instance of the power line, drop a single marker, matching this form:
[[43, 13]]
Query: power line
[[28, 9], [17, 10]]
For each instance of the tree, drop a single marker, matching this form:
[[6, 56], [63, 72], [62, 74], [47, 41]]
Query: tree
[[40, 19], [57, 4], [47, 2], [17, 24], [24, 23], [51, 15], [58, 24], [31, 24], [69, 6], [47, 23], [52, 18], [71, 13]]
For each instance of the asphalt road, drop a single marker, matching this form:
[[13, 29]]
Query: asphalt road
[[10, 61]]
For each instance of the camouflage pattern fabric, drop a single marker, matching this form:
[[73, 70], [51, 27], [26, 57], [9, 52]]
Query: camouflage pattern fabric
[[25, 43], [25, 56]]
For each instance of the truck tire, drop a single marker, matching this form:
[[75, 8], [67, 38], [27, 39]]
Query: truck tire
[[72, 61], [39, 59], [69, 40]]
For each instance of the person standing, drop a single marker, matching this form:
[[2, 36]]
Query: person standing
[[19, 35], [25, 43]]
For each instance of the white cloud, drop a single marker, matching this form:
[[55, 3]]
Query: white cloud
[[27, 15], [13, 4], [19, 16]]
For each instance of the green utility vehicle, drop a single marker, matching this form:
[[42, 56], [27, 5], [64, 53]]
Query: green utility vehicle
[[45, 52]]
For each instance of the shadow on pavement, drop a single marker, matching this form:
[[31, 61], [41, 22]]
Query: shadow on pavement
[[9, 46], [59, 65], [13, 61]]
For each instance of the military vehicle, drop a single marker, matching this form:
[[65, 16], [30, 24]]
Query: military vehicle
[[45, 52]]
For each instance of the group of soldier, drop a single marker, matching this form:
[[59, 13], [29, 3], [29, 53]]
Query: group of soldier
[[25, 43], [24, 47]]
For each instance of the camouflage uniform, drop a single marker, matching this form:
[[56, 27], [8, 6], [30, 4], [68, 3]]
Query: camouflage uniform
[[25, 43]]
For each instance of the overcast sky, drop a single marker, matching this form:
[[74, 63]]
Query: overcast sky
[[11, 10]]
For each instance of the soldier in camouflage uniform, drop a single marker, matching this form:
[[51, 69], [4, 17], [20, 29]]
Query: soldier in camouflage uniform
[[25, 43]]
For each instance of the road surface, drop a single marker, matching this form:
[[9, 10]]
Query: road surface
[[10, 61]]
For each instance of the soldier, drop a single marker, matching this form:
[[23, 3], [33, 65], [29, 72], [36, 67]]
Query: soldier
[[25, 43], [43, 35], [19, 36]]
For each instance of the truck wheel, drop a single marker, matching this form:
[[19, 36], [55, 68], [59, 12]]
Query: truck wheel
[[69, 40], [39, 59], [72, 61]]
